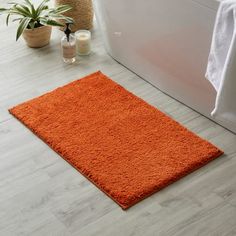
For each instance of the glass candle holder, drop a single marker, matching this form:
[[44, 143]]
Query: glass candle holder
[[83, 42]]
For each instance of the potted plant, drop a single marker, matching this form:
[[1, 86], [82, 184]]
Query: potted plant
[[35, 23]]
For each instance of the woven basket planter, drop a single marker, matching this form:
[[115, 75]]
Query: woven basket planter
[[37, 37], [81, 12]]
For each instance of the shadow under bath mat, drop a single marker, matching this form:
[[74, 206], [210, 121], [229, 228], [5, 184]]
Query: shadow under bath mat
[[126, 147]]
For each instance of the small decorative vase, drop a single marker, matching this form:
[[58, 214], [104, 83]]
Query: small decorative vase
[[81, 12], [37, 37]]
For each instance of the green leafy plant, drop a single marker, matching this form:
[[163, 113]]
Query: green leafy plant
[[30, 16]]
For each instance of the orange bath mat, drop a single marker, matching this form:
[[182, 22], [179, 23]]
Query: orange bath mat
[[126, 147]]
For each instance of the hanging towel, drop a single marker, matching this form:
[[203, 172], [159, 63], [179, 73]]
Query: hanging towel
[[221, 68]]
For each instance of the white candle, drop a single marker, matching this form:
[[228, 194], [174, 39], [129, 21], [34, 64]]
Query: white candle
[[83, 42]]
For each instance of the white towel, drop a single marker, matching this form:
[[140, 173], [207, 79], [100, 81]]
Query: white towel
[[221, 68]]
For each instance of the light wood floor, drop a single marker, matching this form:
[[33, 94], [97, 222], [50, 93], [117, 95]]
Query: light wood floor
[[40, 194]]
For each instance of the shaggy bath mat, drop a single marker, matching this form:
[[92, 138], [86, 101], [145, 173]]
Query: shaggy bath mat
[[126, 147]]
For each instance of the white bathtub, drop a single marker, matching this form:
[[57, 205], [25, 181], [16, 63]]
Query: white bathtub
[[166, 42]]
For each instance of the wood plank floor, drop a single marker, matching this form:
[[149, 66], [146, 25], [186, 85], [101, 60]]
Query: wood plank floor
[[40, 194]]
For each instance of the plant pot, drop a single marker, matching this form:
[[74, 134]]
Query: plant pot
[[37, 37], [81, 12]]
